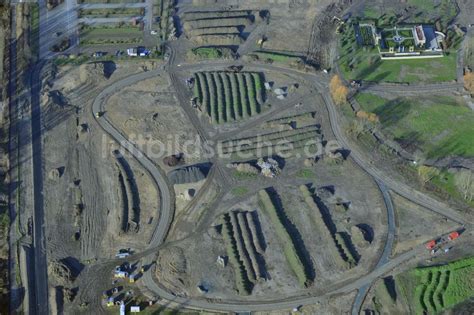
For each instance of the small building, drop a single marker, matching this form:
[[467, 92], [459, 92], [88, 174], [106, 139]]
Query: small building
[[401, 42], [419, 35], [135, 309], [132, 52], [137, 51]]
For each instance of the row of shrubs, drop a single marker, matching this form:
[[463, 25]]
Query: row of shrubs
[[242, 243], [243, 284], [440, 287], [294, 257], [340, 250], [229, 96]]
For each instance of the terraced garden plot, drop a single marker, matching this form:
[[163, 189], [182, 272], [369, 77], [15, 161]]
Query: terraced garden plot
[[289, 238], [110, 35], [229, 96], [270, 143], [338, 249], [440, 287], [112, 12], [244, 249]]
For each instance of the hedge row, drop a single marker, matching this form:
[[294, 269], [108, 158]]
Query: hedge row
[[232, 96], [338, 253], [291, 254], [242, 282], [249, 243]]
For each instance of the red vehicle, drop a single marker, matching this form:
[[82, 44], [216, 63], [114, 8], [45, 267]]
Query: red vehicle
[[453, 235], [431, 244]]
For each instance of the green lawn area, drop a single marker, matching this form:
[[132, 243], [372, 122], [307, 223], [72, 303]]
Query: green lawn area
[[276, 57], [433, 289], [112, 12], [305, 173], [239, 191], [359, 64], [439, 126], [34, 45], [102, 31]]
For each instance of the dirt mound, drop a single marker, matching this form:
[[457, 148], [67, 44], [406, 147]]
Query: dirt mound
[[190, 174], [54, 174], [173, 160], [358, 237], [92, 72], [247, 168], [60, 271]]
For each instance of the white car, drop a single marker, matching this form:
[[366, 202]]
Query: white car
[[154, 32]]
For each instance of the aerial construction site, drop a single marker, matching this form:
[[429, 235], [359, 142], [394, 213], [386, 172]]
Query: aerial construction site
[[234, 157]]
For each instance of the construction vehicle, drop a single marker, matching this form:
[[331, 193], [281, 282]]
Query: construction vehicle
[[261, 40], [431, 244], [193, 102], [434, 245], [99, 114], [453, 235]]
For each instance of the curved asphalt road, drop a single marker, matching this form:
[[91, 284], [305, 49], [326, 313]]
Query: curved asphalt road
[[387, 251], [167, 210]]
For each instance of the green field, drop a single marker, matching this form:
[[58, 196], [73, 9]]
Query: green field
[[229, 96], [364, 63], [115, 12], [291, 249], [34, 29], [276, 57], [433, 289], [439, 126], [210, 53], [116, 34]]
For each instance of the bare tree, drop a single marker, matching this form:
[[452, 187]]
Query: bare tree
[[464, 181]]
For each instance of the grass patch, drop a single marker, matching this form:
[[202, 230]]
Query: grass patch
[[268, 56], [106, 31], [438, 126], [34, 44], [243, 175], [240, 191], [370, 102], [291, 249], [116, 12], [434, 289], [305, 173], [211, 53]]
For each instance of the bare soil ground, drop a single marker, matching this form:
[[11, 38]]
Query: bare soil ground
[[83, 201], [416, 225], [148, 111], [290, 23]]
